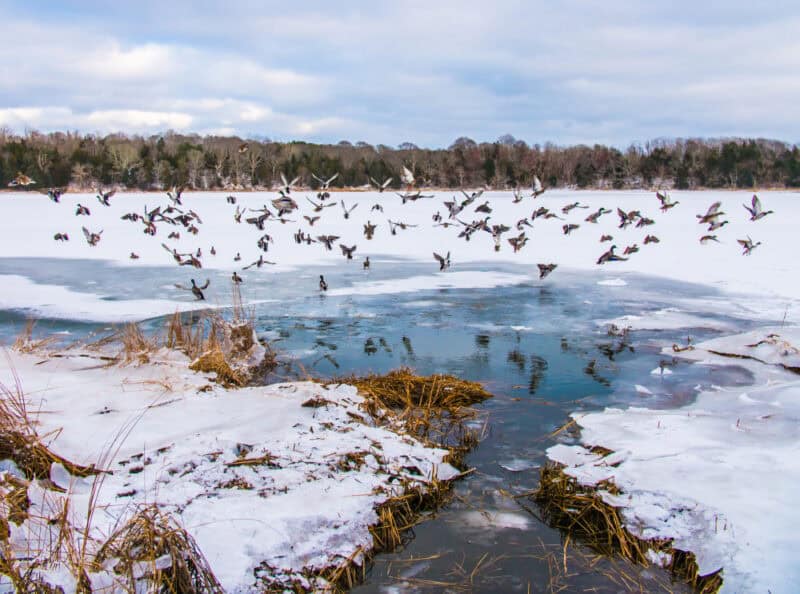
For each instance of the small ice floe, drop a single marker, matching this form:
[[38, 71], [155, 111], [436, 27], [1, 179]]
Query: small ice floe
[[495, 519], [661, 371], [518, 465], [640, 389], [522, 328], [612, 282]]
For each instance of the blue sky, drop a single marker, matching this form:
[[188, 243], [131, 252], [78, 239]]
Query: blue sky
[[581, 71]]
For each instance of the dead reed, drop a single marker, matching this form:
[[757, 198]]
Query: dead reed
[[581, 513], [151, 552]]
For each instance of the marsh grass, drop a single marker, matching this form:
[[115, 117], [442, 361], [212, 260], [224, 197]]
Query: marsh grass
[[580, 512]]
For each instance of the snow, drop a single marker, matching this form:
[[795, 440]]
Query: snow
[[679, 255], [719, 476], [170, 436]]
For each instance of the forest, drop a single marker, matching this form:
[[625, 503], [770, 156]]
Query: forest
[[86, 161]]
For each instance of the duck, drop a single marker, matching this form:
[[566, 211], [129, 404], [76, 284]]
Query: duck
[[545, 269], [747, 245], [666, 204], [104, 197], [712, 213], [82, 210], [538, 189], [366, 263], [610, 256], [55, 194], [323, 286], [592, 218], [237, 280], [258, 263], [569, 228], [21, 180], [327, 240], [347, 251], [605, 237], [196, 290], [61, 237], [706, 238], [382, 185], [444, 263], [631, 249], [369, 230], [756, 212], [287, 186], [92, 238], [134, 256], [311, 220], [346, 210], [651, 239]]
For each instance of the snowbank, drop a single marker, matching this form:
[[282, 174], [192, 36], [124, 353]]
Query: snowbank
[[285, 477], [720, 476]]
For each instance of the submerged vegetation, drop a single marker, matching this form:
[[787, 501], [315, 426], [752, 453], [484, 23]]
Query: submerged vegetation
[[231, 163]]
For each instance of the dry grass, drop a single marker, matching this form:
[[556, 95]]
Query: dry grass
[[154, 551], [581, 513], [25, 343]]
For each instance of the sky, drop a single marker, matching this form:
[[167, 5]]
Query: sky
[[579, 71]]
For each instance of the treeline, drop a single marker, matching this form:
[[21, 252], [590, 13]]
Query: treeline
[[231, 163]]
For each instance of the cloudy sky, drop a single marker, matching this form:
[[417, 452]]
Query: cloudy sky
[[609, 71]]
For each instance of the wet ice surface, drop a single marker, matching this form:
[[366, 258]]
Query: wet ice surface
[[531, 343]]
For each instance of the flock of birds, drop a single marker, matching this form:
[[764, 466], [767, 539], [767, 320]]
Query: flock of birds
[[180, 219]]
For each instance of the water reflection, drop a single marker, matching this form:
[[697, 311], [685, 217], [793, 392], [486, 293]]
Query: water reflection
[[535, 346]]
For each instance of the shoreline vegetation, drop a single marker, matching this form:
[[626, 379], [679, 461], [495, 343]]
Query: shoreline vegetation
[[84, 161], [48, 546]]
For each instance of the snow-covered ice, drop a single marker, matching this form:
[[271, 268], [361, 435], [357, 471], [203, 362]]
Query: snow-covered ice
[[305, 507], [719, 476]]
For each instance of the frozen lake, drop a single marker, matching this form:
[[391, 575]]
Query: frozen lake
[[540, 346]]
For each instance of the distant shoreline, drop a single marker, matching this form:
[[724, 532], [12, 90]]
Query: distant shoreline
[[42, 190]]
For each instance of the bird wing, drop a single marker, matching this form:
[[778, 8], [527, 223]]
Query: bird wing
[[87, 233], [283, 179], [330, 179], [319, 179], [438, 257], [407, 176], [387, 182], [205, 286], [179, 286], [713, 208], [756, 203]]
